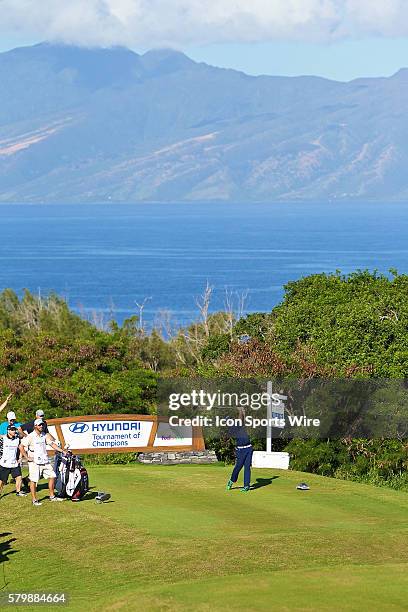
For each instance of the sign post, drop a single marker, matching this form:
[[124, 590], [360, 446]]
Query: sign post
[[275, 414], [269, 417]]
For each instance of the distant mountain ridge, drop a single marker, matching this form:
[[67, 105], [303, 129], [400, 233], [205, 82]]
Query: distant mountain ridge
[[109, 125]]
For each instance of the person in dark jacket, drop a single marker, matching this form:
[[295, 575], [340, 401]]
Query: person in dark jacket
[[243, 453], [27, 428]]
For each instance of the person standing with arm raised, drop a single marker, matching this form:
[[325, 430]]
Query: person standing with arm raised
[[4, 404], [11, 418]]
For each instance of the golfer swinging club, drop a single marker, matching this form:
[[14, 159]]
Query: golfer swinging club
[[244, 452]]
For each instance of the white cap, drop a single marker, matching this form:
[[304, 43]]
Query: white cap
[[11, 416], [38, 421], [39, 413]]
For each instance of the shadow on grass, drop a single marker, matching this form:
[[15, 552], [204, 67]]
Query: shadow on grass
[[9, 493], [263, 482], [92, 494], [42, 486], [6, 549]]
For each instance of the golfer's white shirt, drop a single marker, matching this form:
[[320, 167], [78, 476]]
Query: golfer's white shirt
[[37, 448], [9, 455]]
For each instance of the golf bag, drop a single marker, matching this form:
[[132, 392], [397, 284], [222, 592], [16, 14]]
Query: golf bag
[[72, 478]]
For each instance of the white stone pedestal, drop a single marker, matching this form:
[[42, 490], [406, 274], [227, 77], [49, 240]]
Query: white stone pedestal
[[263, 459]]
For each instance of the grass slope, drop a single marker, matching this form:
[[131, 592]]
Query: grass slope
[[173, 539]]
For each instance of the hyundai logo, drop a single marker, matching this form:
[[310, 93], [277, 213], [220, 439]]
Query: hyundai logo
[[79, 428]]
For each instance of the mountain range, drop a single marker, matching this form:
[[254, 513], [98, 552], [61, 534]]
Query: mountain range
[[110, 125]]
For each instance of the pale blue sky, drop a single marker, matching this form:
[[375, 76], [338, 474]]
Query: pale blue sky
[[343, 60]]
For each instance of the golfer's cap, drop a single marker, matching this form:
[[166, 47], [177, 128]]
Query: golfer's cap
[[11, 428], [39, 413], [11, 416], [38, 422]]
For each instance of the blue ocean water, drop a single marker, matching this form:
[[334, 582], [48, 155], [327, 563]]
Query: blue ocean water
[[108, 258]]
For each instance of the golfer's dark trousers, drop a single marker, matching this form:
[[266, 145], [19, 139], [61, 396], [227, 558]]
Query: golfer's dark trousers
[[243, 460]]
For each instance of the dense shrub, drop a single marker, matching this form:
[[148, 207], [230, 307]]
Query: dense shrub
[[352, 325], [217, 345], [52, 359], [110, 459], [255, 325], [376, 461]]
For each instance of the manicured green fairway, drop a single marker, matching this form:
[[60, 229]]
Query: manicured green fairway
[[173, 539]]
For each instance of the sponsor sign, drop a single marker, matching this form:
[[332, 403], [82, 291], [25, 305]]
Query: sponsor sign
[[124, 433], [278, 414], [171, 435], [106, 434]]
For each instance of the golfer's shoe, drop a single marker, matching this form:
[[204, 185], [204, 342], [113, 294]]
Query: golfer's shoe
[[54, 498], [37, 503], [245, 489], [229, 485], [303, 487], [21, 494]]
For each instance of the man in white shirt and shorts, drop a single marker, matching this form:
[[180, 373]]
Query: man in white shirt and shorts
[[39, 466]]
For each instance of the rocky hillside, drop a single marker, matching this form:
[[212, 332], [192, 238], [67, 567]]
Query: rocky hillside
[[107, 125]]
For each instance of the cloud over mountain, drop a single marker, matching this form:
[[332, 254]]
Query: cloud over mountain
[[153, 23]]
